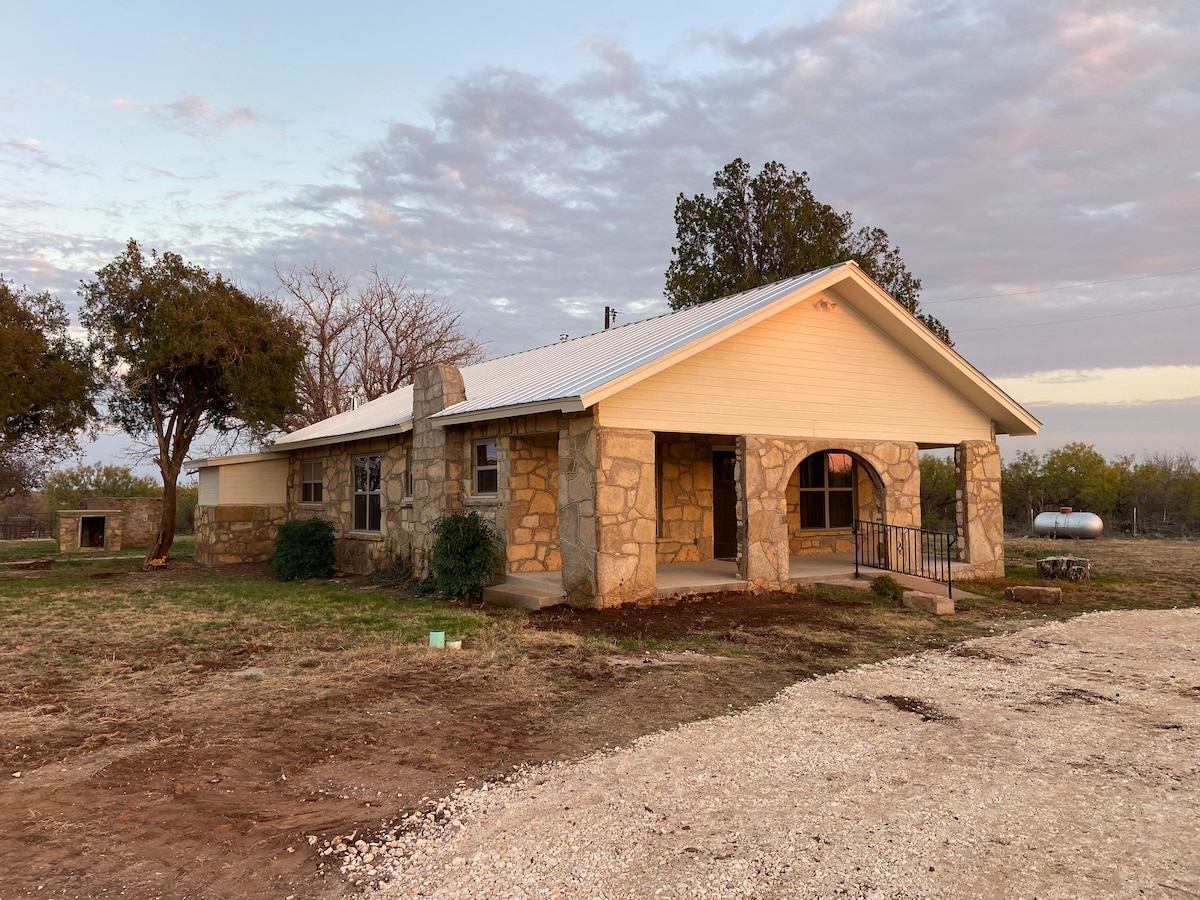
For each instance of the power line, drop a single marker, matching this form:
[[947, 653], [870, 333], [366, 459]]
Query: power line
[[1065, 287], [1136, 312]]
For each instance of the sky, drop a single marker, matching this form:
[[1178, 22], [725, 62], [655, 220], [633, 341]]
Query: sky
[[1036, 162]]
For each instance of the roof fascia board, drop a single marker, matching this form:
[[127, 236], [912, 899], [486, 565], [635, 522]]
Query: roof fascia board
[[563, 404], [594, 396]]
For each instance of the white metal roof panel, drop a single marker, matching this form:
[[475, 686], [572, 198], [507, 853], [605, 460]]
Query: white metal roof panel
[[391, 411]]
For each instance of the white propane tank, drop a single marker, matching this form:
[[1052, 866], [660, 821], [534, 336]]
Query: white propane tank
[[1066, 523]]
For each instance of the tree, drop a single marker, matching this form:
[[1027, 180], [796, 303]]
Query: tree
[[68, 488], [49, 387], [758, 230], [185, 350], [366, 341], [938, 493]]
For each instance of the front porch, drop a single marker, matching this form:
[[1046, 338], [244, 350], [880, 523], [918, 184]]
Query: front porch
[[537, 590]]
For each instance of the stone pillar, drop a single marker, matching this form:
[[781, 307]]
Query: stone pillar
[[762, 477], [438, 465], [978, 511], [606, 513]]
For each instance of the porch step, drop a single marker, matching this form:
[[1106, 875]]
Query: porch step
[[519, 593], [908, 582]]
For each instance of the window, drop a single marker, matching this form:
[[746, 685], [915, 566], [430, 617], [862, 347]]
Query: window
[[367, 510], [408, 473], [312, 481], [826, 490], [487, 472]]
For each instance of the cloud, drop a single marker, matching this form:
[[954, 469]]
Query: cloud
[[192, 114], [1003, 148]]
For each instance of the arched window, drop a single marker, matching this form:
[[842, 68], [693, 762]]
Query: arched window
[[826, 482]]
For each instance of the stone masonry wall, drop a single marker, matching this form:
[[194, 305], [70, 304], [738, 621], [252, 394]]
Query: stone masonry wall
[[686, 510], [626, 551], [236, 534], [358, 552], [763, 477], [532, 483], [139, 517], [978, 510]]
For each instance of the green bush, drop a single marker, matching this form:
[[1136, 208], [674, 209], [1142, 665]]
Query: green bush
[[885, 587], [303, 549], [463, 558]]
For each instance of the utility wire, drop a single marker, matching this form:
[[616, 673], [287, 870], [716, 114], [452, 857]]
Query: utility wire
[[1065, 287], [1136, 312]]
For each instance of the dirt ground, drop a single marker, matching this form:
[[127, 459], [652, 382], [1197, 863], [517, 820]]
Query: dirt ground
[[221, 781]]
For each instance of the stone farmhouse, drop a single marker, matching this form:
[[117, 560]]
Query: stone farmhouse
[[754, 430]]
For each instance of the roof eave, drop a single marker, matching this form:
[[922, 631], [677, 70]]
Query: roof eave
[[383, 431], [562, 404]]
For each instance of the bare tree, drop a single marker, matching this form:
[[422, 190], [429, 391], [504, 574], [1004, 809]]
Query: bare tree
[[366, 341]]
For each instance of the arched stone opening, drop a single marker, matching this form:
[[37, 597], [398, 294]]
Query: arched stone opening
[[826, 491]]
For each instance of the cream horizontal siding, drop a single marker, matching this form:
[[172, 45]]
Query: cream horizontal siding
[[254, 483], [812, 370], [209, 491]]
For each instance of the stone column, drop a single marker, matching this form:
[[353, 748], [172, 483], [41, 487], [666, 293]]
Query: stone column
[[978, 511], [437, 462], [607, 513], [763, 552]]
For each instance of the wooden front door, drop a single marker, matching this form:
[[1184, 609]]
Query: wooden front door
[[724, 504]]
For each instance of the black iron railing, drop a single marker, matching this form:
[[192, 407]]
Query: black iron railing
[[906, 551]]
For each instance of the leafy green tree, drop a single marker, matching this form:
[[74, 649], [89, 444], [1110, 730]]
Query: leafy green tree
[[1023, 490], [48, 390], [186, 350], [760, 229], [1076, 475], [938, 488], [68, 488]]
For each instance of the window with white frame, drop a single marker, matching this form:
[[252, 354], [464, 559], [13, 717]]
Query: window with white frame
[[826, 482], [487, 468], [368, 513], [312, 481]]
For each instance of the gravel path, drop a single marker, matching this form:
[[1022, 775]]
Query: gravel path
[[1059, 762]]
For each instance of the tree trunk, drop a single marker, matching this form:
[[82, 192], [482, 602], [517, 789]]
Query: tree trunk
[[160, 547]]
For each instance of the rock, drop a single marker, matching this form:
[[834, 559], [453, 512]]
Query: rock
[[928, 603], [1051, 596]]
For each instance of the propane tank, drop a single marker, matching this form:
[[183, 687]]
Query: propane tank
[[1066, 523]]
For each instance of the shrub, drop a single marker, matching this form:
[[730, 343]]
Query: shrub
[[885, 587], [463, 557], [303, 549]]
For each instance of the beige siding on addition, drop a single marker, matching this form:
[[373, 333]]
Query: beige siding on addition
[[210, 487], [257, 483], [816, 368]]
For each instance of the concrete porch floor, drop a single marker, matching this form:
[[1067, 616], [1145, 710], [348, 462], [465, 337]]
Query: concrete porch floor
[[535, 590]]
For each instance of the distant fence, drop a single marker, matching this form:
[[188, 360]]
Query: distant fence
[[23, 527]]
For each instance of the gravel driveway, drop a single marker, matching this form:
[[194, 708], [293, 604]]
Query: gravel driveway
[[1059, 762]]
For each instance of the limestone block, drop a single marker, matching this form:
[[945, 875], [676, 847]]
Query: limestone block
[[928, 603], [1047, 596]]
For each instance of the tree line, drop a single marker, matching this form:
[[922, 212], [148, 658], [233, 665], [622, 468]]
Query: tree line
[[1157, 494]]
